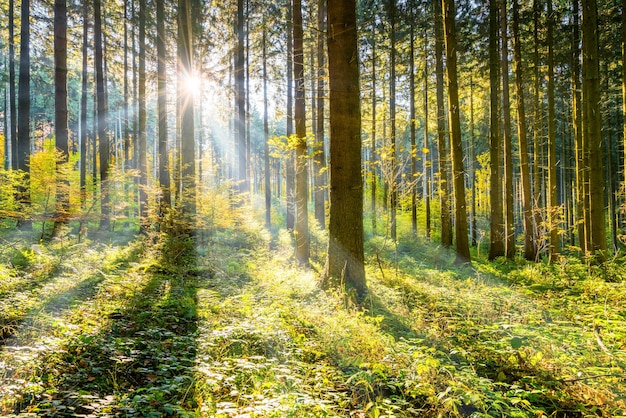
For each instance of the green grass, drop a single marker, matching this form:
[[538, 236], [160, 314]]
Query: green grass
[[231, 327]]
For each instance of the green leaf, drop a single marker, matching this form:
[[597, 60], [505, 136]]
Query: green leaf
[[516, 343]]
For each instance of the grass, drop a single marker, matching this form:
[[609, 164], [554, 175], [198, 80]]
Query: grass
[[227, 325]]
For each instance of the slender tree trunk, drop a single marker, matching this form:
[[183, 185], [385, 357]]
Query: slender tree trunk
[[508, 142], [12, 106], [83, 108], [473, 216], [60, 112], [529, 236], [344, 261], [290, 174], [141, 135], [592, 129], [23, 121], [581, 195], [320, 153], [266, 133], [373, 170], [302, 192], [458, 171], [426, 150], [537, 141], [413, 182], [393, 175], [497, 232], [186, 109], [444, 193], [164, 173], [624, 88], [553, 204], [102, 117], [240, 100]]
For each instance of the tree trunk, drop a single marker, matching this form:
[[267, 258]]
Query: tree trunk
[[592, 129], [392, 175], [537, 144], [240, 100], [413, 181], [426, 150], [290, 174], [529, 236], [319, 158], [141, 135], [60, 112], [164, 173], [186, 107], [344, 261], [497, 232], [581, 168], [553, 204], [373, 170], [12, 106], [23, 121], [456, 142], [102, 117], [266, 133], [508, 142], [83, 107], [302, 190], [444, 193]]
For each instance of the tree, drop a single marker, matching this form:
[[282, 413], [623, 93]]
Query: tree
[[141, 134], [444, 194], [496, 225], [12, 107], [592, 129], [266, 131], [319, 157], [102, 116], [581, 166], [60, 110], [529, 236], [240, 100], [456, 143], [553, 204], [290, 174], [164, 174], [185, 109], [83, 107], [23, 117], [412, 122], [393, 170], [344, 258], [302, 190], [509, 226]]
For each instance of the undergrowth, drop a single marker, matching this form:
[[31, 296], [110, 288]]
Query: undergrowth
[[224, 324]]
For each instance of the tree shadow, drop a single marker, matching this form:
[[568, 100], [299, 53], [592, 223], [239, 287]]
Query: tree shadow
[[140, 361]]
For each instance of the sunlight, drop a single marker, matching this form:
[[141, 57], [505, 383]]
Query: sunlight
[[191, 84]]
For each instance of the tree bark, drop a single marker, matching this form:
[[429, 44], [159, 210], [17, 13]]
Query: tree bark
[[592, 129], [509, 224], [102, 118], [266, 133], [141, 135], [290, 174], [529, 236], [319, 158], [458, 171], [393, 174], [302, 189], [83, 107], [61, 113], [164, 173], [240, 100], [12, 105], [444, 188], [497, 232], [413, 182], [553, 204], [345, 260]]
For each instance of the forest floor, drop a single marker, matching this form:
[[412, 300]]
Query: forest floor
[[227, 326]]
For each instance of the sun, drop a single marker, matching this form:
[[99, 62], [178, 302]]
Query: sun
[[190, 84]]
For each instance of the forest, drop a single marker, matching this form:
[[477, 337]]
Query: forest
[[316, 208]]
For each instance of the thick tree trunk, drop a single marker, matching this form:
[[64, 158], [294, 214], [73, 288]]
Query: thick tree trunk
[[444, 188], [592, 129], [581, 167], [529, 241], [344, 261], [456, 142], [497, 232], [302, 189]]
